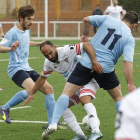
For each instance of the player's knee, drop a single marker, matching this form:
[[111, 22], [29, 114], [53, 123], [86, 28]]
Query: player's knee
[[49, 90], [85, 99]]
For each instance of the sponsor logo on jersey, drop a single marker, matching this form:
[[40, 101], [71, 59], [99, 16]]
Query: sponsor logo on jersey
[[4, 40], [67, 60]]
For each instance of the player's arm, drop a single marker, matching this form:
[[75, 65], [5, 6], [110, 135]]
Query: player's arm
[[1, 32], [33, 43], [38, 84], [86, 25], [91, 52], [122, 14], [95, 20], [106, 12], [128, 71], [13, 47], [128, 63]]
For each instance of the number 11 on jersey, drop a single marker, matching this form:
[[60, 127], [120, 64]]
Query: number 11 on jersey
[[107, 37]]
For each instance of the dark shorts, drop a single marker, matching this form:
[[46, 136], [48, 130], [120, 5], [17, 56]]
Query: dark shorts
[[82, 75], [22, 75]]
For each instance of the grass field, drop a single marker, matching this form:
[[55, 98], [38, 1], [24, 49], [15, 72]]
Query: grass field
[[32, 131]]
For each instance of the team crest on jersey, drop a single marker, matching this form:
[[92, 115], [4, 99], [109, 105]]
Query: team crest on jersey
[[67, 60], [4, 40]]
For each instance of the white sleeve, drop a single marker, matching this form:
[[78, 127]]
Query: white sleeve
[[121, 10], [76, 49], [47, 68], [126, 122], [107, 11]]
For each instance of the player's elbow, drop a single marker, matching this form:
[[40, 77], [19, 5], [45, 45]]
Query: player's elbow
[[127, 62], [86, 45], [86, 20]]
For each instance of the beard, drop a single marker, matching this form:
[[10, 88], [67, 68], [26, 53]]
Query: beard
[[24, 25], [54, 59]]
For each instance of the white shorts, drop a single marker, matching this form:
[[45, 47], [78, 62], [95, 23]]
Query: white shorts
[[89, 89]]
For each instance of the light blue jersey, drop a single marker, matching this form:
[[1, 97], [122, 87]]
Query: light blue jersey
[[19, 57], [112, 39]]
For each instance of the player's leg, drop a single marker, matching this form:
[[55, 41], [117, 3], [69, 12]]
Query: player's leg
[[63, 101], [110, 82], [18, 78], [116, 94], [88, 93], [70, 118], [60, 107], [49, 100]]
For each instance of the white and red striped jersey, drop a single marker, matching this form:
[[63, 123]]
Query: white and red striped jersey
[[115, 12], [128, 117], [68, 56]]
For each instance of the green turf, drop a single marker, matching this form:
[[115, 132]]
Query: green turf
[[28, 131]]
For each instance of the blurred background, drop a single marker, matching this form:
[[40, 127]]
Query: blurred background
[[59, 18]]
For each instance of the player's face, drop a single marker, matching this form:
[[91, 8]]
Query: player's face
[[27, 22], [115, 2], [50, 52]]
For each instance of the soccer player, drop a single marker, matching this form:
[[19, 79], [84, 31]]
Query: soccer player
[[112, 39], [115, 11], [128, 117], [18, 69], [63, 60]]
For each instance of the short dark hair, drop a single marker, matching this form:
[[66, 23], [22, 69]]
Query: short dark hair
[[24, 11], [46, 42], [98, 5], [131, 17]]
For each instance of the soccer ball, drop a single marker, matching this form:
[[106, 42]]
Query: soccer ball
[[86, 124]]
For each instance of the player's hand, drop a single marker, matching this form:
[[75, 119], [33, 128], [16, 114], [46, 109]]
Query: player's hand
[[2, 35], [39, 43], [84, 39], [97, 67], [29, 99], [131, 87], [15, 45]]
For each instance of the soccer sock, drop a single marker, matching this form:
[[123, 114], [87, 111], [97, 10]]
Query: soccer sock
[[18, 98], [60, 107], [92, 115], [71, 121], [50, 104], [118, 104]]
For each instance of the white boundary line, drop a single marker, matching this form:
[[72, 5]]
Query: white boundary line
[[29, 58], [19, 107], [18, 121]]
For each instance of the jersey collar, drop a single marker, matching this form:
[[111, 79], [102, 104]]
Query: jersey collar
[[126, 26]]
